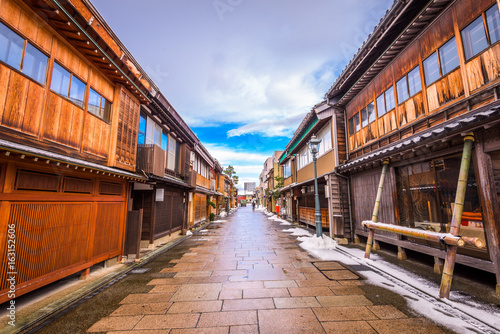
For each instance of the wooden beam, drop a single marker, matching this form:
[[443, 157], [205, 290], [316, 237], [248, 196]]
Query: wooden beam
[[489, 202]]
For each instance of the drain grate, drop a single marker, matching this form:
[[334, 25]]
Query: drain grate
[[139, 270], [336, 271]]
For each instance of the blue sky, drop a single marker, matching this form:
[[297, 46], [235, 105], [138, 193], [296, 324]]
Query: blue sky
[[243, 73]]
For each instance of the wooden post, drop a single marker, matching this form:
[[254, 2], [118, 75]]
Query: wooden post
[[369, 242], [152, 223], [449, 264], [84, 274], [489, 203], [438, 265], [401, 253]]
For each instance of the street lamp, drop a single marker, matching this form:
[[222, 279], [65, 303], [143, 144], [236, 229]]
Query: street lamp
[[314, 147]]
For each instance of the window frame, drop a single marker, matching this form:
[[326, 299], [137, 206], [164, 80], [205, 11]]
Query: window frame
[[67, 96], [407, 80], [287, 170], [103, 114], [171, 153], [438, 54], [25, 43], [486, 30]]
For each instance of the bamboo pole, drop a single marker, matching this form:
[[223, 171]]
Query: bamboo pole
[[447, 238], [451, 253], [369, 242]]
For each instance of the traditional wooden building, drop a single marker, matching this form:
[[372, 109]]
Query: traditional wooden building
[[70, 96], [165, 143], [427, 76], [205, 170], [297, 195]]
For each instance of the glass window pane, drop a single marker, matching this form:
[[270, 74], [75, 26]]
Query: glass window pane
[[158, 132], [402, 87], [474, 38], [11, 47], [94, 102], [105, 110], [35, 64], [327, 140], [357, 125], [449, 56], [141, 136], [60, 80], [364, 117], [150, 131], [351, 126], [390, 100], [77, 91], [431, 69], [371, 112], [381, 105], [164, 141], [415, 85], [172, 146], [493, 19], [142, 130]]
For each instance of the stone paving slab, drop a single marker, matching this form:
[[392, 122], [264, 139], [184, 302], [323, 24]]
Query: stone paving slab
[[247, 276]]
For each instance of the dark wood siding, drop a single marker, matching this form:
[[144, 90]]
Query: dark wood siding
[[364, 187]]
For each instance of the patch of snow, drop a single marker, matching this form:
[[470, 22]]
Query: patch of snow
[[460, 313], [223, 214], [220, 221], [203, 231], [189, 233], [315, 242], [298, 232], [285, 223]]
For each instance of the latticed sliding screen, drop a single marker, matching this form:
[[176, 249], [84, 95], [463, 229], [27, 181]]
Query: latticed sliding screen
[[128, 123], [200, 207], [49, 237], [107, 228]]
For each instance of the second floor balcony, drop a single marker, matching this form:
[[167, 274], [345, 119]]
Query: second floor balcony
[[151, 159]]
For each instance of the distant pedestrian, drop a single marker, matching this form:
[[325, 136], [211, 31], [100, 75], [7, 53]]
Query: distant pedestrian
[[253, 205]]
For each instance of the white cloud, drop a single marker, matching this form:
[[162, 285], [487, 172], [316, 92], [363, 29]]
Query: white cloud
[[269, 127], [227, 155], [266, 60]]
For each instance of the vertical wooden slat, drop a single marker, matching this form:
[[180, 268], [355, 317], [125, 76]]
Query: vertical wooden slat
[[489, 203]]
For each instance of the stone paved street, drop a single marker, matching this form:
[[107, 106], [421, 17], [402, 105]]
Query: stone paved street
[[244, 275]]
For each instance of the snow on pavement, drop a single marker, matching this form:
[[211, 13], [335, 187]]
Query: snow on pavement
[[420, 293], [298, 232]]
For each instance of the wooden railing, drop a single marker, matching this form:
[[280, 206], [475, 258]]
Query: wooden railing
[[306, 215], [151, 159]]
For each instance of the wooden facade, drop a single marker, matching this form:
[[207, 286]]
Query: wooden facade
[[417, 95], [68, 136], [297, 195]]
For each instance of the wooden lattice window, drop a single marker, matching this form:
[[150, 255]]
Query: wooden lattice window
[[77, 185], [128, 123], [29, 180], [110, 188]]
